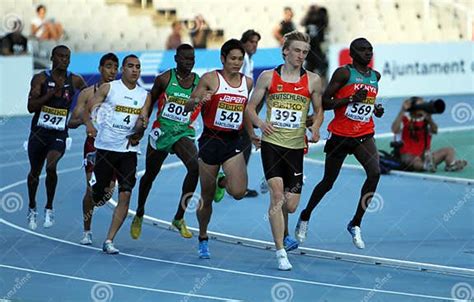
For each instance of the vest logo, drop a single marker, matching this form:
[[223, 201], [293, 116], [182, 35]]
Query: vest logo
[[232, 99], [279, 87], [359, 79]]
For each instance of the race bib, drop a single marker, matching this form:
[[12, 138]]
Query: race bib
[[360, 112], [286, 118], [229, 115], [153, 137], [175, 112], [125, 117], [52, 118]]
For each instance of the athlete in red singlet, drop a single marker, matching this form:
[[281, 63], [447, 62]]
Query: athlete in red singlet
[[223, 95], [351, 94]]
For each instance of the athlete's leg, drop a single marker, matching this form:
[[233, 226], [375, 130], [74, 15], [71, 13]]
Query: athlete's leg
[[367, 154], [52, 160], [332, 167], [37, 157], [126, 169], [235, 176], [275, 211], [154, 161], [186, 150], [207, 177]]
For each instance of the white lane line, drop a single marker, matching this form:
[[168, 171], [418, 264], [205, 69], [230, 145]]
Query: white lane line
[[327, 254], [21, 162], [41, 177], [114, 283], [3, 221]]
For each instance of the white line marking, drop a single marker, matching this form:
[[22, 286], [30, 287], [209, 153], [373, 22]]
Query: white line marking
[[114, 284], [3, 221], [41, 177], [402, 264]]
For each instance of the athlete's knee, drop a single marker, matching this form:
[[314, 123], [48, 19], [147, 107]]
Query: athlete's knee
[[193, 167], [374, 174], [326, 184], [291, 208], [51, 170]]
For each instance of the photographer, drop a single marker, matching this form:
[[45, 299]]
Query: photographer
[[417, 128]]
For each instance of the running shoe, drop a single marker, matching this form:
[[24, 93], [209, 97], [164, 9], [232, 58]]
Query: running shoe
[[86, 238], [31, 218], [48, 218], [290, 243], [204, 250], [356, 235], [109, 248], [182, 228], [283, 262], [220, 192], [136, 227], [301, 230]]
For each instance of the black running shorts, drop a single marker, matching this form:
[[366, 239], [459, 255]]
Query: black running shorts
[[285, 163]]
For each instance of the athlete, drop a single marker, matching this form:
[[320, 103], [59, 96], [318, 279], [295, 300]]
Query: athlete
[[50, 100], [108, 68], [289, 90], [172, 132], [223, 96], [351, 93], [124, 107]]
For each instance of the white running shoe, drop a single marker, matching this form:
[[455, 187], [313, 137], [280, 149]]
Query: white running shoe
[[31, 218], [283, 262], [356, 236], [301, 230], [48, 218], [109, 248], [86, 238]]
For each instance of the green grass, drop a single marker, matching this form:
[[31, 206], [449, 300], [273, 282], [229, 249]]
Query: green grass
[[461, 141]]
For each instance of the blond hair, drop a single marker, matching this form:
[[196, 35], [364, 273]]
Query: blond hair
[[294, 36]]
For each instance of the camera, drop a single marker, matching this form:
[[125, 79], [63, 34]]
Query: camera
[[431, 107]]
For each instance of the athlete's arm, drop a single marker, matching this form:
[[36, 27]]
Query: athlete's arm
[[77, 118], [78, 82], [98, 99], [318, 116], [159, 86], [141, 124], [203, 92], [338, 80], [35, 99], [263, 83]]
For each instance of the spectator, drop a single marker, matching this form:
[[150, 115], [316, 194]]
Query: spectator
[[250, 40], [200, 32], [174, 39], [417, 128], [316, 22], [285, 26], [44, 29], [14, 43]]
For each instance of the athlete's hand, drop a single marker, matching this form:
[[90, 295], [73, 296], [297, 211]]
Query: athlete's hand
[[134, 139], [379, 110], [90, 130], [206, 97], [315, 136], [360, 95], [256, 141], [267, 128]]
